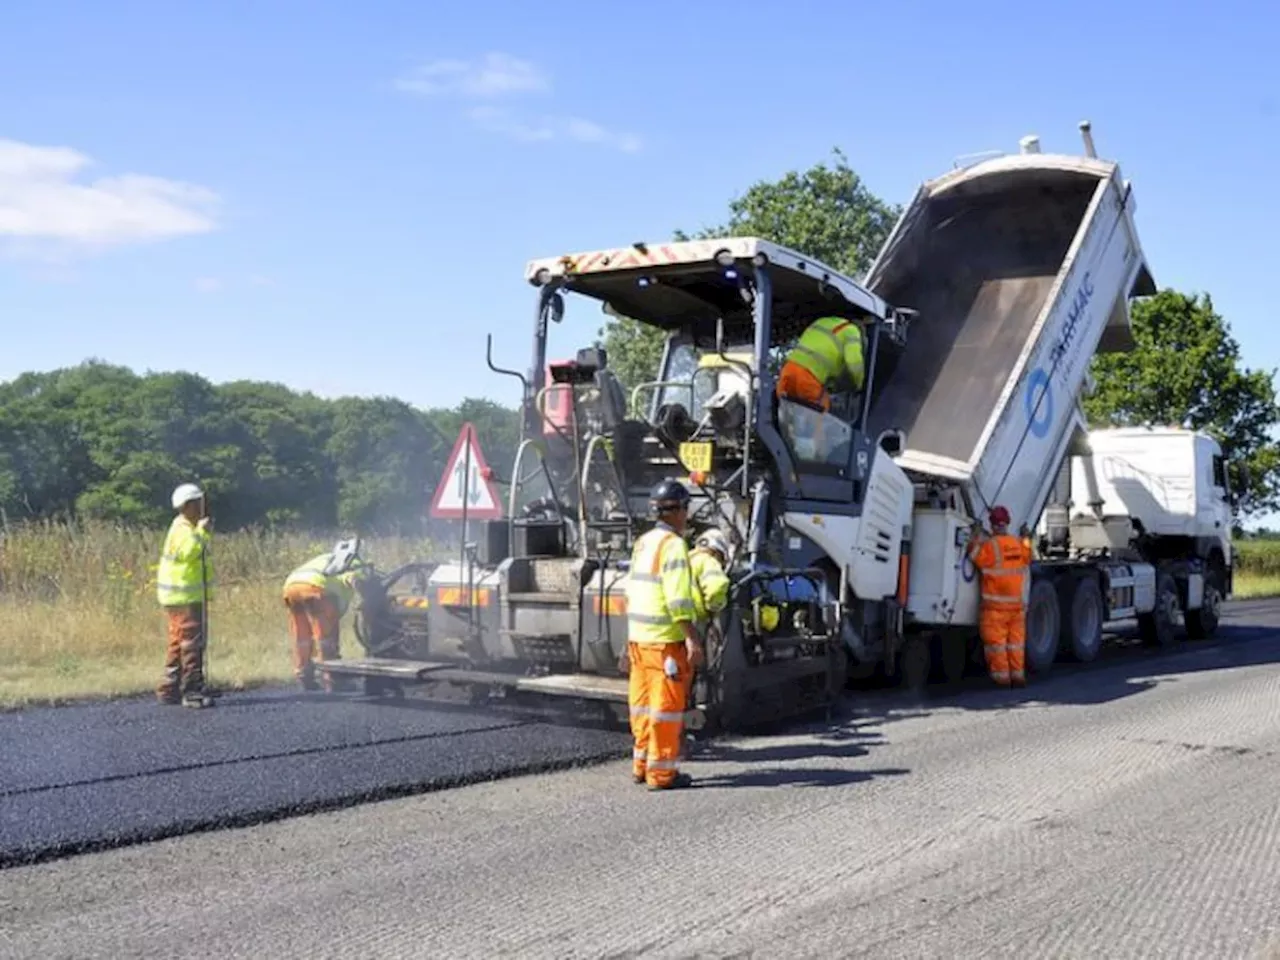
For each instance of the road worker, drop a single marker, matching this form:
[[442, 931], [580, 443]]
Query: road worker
[[829, 352], [707, 561], [1004, 563], [317, 596], [182, 587], [663, 646]]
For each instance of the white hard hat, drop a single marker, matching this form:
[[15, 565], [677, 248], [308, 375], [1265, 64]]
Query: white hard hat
[[713, 539], [185, 493]]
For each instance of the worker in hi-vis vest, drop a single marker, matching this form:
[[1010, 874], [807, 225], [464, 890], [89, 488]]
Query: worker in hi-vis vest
[[663, 646], [1004, 562], [827, 353], [317, 596], [182, 587]]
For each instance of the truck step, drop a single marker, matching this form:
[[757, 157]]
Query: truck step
[[382, 667], [558, 598]]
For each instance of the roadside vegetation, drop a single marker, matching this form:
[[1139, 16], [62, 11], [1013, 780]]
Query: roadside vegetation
[[79, 618]]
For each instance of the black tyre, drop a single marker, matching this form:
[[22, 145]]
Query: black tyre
[[1044, 627], [1203, 623], [1083, 614], [1159, 628], [914, 663]]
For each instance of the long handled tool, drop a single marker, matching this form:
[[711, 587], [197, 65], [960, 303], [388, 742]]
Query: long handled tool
[[204, 607]]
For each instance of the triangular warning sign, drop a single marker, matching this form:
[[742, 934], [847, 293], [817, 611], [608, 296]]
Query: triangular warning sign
[[459, 485]]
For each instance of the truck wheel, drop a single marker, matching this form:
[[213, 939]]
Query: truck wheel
[[1159, 628], [1203, 623], [1044, 625], [915, 663], [952, 656], [1083, 616]]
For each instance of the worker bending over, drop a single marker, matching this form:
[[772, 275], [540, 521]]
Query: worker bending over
[[662, 641], [829, 352], [317, 596], [1004, 562], [182, 582]]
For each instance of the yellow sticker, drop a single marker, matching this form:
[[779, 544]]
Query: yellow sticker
[[696, 456]]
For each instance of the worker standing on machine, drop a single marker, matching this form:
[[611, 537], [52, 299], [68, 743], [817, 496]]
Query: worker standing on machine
[[828, 352], [317, 595], [1004, 562], [182, 587], [663, 646]]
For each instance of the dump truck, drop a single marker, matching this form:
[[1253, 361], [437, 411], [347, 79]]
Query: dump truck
[[849, 528], [1022, 268]]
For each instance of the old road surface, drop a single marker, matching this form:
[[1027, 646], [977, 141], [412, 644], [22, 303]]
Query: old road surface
[[1130, 808]]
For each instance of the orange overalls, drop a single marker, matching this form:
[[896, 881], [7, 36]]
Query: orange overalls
[[1004, 561], [797, 383], [659, 597]]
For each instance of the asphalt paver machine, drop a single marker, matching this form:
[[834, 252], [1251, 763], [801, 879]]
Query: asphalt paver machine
[[535, 606]]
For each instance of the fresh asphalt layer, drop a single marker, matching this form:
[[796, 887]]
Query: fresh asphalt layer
[[1129, 808], [79, 778], [83, 778]]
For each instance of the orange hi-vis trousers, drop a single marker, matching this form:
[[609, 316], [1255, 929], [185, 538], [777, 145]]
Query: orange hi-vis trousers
[[314, 624], [797, 383], [1003, 629], [657, 710]]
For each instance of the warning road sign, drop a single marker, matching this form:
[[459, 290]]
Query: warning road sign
[[466, 480]]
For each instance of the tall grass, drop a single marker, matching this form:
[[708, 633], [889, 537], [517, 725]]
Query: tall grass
[[78, 611], [79, 616]]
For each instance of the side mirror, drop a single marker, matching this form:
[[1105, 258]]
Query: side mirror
[[556, 308]]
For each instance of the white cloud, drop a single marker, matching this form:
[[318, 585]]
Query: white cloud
[[208, 284], [498, 75], [494, 75], [41, 202], [498, 121]]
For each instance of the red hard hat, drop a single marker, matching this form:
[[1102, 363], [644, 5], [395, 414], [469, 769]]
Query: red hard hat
[[1000, 515]]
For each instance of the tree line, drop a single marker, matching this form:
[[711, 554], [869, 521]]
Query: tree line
[[101, 441]]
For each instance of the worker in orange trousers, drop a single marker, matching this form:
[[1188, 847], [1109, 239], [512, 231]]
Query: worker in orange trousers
[[663, 646], [317, 595], [1004, 562]]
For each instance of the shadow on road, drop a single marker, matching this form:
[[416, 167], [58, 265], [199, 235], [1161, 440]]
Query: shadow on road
[[796, 777]]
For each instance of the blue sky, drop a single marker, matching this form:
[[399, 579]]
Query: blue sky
[[357, 192]]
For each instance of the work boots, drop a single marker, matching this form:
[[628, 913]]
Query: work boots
[[197, 700]]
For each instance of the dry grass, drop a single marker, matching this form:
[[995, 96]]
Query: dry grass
[[78, 614], [79, 617]]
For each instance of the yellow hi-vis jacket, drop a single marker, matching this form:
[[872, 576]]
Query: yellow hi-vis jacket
[[711, 585], [829, 347], [659, 588], [341, 588], [179, 579]]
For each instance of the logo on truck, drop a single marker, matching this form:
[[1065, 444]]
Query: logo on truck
[[1039, 401], [1074, 315]]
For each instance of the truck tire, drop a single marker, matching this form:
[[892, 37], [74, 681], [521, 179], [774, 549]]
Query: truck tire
[[915, 663], [1083, 614], [1159, 628], [1203, 623], [1044, 626]]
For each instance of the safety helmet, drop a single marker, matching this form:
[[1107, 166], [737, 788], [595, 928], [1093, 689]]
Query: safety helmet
[[1000, 516], [668, 495], [184, 494], [714, 541]]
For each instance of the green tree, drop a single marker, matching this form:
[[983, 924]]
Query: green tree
[[1186, 370], [825, 212]]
